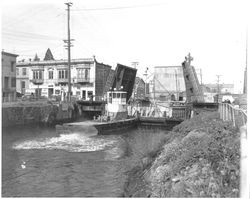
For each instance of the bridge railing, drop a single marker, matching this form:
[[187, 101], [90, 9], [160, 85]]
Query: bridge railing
[[157, 110], [229, 113]]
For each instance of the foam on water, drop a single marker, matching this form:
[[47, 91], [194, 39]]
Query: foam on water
[[70, 142]]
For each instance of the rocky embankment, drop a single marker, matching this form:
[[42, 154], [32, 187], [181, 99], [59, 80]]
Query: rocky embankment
[[200, 158]]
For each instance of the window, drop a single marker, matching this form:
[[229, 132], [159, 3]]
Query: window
[[51, 74], [86, 73], [83, 73], [37, 74], [90, 94], [6, 82], [22, 84], [124, 95], [17, 71], [24, 72], [80, 73], [13, 82], [63, 74], [12, 66]]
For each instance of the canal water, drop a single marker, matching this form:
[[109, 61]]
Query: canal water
[[40, 162]]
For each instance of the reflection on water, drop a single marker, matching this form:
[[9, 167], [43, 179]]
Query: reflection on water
[[39, 162]]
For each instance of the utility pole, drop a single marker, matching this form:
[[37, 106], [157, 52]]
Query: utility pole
[[145, 74], [245, 72], [68, 41], [218, 84], [201, 75]]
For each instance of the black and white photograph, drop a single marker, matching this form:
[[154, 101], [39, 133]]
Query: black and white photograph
[[124, 98]]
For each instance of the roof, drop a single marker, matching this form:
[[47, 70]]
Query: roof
[[167, 66], [9, 54], [55, 62], [48, 55], [221, 85]]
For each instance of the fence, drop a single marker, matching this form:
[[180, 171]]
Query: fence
[[158, 110], [239, 119], [229, 113]]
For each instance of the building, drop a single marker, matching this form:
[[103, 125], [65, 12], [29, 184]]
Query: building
[[49, 77], [8, 77], [194, 90], [22, 78], [168, 83], [223, 88]]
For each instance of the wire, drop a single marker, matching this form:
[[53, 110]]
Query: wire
[[26, 14], [116, 8], [15, 33]]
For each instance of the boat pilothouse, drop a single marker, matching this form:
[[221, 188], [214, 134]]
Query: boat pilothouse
[[116, 108]]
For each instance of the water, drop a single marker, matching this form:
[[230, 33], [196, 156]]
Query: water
[[39, 162]]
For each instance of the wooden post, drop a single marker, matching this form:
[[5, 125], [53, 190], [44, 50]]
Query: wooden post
[[233, 116], [226, 114]]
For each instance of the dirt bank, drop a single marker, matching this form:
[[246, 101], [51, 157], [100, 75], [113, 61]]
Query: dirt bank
[[200, 158]]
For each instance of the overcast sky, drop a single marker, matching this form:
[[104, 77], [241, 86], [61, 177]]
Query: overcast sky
[[151, 32]]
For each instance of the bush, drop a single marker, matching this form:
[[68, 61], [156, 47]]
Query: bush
[[201, 159], [145, 144]]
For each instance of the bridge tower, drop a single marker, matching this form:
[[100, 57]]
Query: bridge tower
[[193, 89]]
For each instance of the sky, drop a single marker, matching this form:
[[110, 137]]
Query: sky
[[150, 32]]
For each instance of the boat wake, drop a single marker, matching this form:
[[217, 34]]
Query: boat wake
[[69, 142]]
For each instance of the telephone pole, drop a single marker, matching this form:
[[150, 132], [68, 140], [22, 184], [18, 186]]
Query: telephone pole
[[245, 72], [68, 41], [218, 83]]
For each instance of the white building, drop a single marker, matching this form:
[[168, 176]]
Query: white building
[[50, 77]]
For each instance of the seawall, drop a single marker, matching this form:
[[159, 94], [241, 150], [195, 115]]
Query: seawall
[[37, 113], [23, 114]]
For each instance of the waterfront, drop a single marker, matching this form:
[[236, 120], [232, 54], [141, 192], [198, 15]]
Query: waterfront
[[39, 162]]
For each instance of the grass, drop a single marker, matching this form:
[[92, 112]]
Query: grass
[[144, 146], [200, 159]]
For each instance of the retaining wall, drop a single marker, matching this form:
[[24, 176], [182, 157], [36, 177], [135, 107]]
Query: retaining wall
[[22, 115]]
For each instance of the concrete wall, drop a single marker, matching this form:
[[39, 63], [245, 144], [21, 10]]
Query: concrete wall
[[21, 115]]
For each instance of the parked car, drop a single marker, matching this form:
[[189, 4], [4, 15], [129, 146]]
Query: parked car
[[28, 97]]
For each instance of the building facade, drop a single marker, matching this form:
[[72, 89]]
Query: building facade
[[22, 79], [221, 88], [8, 77], [168, 83], [49, 77]]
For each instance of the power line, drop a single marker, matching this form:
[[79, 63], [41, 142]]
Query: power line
[[116, 8], [26, 14], [27, 34]]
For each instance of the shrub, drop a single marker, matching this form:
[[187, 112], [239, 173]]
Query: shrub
[[200, 160]]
